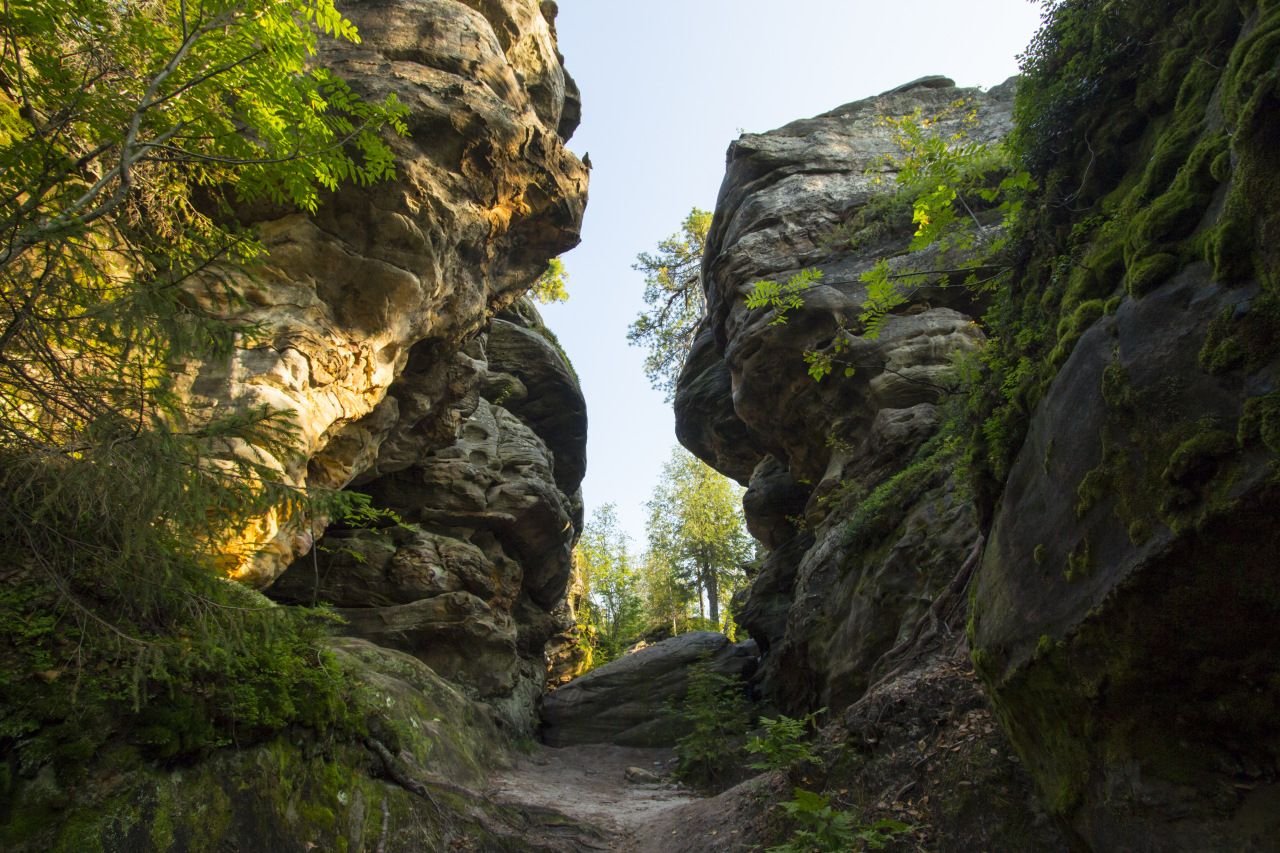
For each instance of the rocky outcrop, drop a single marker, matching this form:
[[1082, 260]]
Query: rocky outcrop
[[859, 604], [630, 701], [482, 467], [1124, 615], [1114, 537], [414, 784], [403, 271], [809, 451]]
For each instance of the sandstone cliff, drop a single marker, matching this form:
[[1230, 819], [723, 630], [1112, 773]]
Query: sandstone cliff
[[378, 331], [1113, 537], [390, 325], [831, 607], [485, 194]]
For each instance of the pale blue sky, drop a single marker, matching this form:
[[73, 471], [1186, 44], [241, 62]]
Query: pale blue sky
[[666, 86]]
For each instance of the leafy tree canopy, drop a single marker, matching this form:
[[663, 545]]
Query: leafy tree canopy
[[611, 606], [130, 135], [553, 284], [695, 524], [675, 300]]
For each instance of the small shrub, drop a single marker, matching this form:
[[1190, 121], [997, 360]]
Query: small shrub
[[715, 710], [823, 829], [783, 744]]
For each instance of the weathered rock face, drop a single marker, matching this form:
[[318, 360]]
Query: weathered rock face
[[825, 608], [415, 784], [1124, 615], [473, 581], [627, 701], [859, 604], [1117, 540], [406, 270]]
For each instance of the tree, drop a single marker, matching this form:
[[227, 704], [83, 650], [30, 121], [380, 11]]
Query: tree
[[675, 299], [131, 135], [695, 524], [613, 607], [553, 284]]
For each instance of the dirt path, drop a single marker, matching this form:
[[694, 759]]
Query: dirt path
[[589, 784]]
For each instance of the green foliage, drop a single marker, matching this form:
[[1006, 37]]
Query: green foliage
[[696, 529], [823, 829], [878, 513], [674, 298], [782, 298], [784, 742], [553, 284], [131, 134], [715, 710], [964, 197], [610, 608]]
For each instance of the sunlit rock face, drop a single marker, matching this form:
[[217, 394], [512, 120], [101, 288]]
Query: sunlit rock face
[[409, 269], [823, 609], [482, 466]]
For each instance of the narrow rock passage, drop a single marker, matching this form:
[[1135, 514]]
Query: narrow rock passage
[[589, 784]]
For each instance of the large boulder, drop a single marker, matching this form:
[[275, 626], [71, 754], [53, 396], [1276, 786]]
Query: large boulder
[[631, 701], [1124, 617]]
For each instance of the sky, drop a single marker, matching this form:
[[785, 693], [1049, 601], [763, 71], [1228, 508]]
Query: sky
[[666, 86]]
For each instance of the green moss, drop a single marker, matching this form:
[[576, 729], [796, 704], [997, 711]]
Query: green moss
[[1093, 487], [1260, 421], [1195, 459], [1079, 561], [1116, 390], [1145, 274], [880, 512]]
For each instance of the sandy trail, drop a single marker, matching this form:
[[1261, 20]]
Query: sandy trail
[[589, 784]]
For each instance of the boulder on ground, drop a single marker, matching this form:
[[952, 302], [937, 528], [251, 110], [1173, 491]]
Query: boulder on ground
[[630, 701]]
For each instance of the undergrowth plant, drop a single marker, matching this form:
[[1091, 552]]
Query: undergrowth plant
[[963, 196], [784, 743], [820, 828], [715, 710]]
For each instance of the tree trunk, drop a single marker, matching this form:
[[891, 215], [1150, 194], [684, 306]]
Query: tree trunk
[[713, 594]]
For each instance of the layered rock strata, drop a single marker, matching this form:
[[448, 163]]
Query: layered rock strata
[[823, 608], [859, 604], [485, 193], [1115, 541], [482, 467]]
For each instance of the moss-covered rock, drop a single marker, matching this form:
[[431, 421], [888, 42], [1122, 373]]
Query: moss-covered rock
[[1124, 650], [409, 784]]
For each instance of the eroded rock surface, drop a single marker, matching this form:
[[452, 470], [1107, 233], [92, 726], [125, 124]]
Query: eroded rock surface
[[871, 537], [824, 608], [406, 270], [473, 580]]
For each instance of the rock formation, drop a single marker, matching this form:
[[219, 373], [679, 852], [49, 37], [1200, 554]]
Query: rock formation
[[485, 194], [1114, 538], [472, 581], [387, 324], [863, 558], [377, 332], [746, 404], [629, 701]]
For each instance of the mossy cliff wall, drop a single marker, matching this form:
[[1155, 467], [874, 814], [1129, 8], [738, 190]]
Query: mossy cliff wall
[[1109, 473], [1124, 618]]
